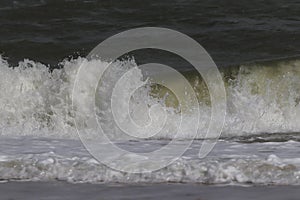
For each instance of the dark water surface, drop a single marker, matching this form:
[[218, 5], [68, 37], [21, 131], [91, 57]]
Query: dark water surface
[[58, 190], [48, 31]]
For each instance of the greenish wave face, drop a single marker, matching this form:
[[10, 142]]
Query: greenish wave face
[[262, 97], [272, 81]]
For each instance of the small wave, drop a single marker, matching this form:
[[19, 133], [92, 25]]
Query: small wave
[[88, 170], [230, 163]]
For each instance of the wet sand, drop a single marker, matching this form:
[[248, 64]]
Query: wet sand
[[62, 190]]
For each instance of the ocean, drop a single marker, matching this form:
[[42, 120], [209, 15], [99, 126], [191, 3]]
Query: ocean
[[45, 43]]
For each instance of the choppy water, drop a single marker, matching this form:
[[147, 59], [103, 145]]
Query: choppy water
[[260, 140]]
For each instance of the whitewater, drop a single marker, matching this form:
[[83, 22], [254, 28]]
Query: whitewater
[[259, 143]]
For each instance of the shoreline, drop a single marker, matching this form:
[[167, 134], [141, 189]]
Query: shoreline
[[63, 190]]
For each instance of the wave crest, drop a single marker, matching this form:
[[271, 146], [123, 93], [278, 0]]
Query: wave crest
[[262, 98]]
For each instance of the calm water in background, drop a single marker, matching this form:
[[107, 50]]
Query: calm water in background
[[232, 32]]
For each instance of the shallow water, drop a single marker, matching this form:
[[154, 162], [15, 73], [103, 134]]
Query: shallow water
[[44, 159]]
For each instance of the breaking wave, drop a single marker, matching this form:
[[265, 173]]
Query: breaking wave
[[261, 98]]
